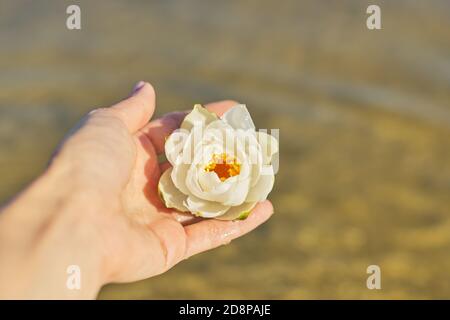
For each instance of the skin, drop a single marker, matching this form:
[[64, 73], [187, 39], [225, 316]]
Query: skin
[[97, 206]]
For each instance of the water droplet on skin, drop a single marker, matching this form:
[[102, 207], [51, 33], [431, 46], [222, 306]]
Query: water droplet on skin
[[226, 237]]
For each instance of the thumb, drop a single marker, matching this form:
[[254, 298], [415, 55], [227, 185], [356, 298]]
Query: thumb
[[136, 110], [96, 129]]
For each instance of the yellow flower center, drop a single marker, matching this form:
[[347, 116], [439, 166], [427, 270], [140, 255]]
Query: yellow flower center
[[224, 166]]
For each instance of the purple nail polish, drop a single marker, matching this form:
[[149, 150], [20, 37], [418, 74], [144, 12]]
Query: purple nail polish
[[138, 87]]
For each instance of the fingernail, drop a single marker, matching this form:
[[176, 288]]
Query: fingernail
[[138, 87]]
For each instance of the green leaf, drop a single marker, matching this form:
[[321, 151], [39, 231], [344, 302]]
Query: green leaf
[[244, 215]]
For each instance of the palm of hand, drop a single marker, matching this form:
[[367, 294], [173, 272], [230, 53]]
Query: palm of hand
[[118, 150]]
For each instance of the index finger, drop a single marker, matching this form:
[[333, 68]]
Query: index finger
[[209, 234]]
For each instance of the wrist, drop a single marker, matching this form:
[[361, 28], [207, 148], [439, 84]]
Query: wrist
[[43, 233]]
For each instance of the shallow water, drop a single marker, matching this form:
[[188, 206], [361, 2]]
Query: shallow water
[[364, 120]]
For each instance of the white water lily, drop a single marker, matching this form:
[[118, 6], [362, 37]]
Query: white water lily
[[221, 167]]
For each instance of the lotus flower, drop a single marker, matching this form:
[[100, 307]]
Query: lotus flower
[[221, 167]]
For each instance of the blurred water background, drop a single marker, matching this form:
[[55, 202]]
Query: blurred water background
[[364, 119]]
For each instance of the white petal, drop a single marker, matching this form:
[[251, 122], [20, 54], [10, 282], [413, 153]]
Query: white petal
[[245, 170], [219, 124], [170, 195], [193, 185], [262, 188], [256, 169], [178, 176], [198, 116], [239, 118], [239, 212], [269, 146], [238, 194], [209, 181], [174, 145], [204, 153], [247, 140], [203, 208], [218, 194]]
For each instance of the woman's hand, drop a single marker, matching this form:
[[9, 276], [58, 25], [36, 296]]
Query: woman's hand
[[97, 207]]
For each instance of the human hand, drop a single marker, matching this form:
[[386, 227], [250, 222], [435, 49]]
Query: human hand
[[97, 205]]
